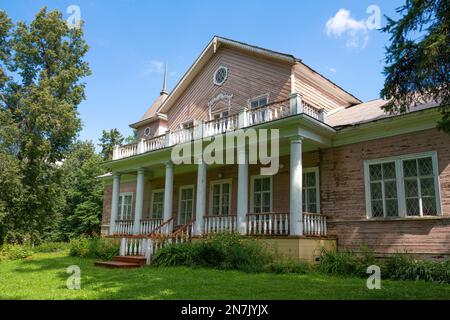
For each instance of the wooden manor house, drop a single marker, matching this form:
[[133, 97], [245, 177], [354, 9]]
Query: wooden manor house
[[350, 174]]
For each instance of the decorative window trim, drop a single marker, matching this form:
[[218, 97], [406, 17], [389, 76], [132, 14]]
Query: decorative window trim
[[317, 172], [147, 133], [252, 191], [122, 195], [211, 193], [265, 95], [185, 187], [221, 67], [194, 122], [152, 201], [398, 160], [221, 96]]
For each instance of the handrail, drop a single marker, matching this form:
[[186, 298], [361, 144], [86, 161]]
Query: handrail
[[269, 104], [222, 119], [265, 213], [162, 225], [183, 228]]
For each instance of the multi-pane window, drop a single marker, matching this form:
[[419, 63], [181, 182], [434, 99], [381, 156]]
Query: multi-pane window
[[125, 206], [157, 204], [310, 192], [403, 186], [259, 102], [220, 198], [262, 194], [186, 204]]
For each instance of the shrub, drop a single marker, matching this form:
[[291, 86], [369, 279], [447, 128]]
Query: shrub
[[281, 266], [403, 267], [174, 255], [47, 247], [15, 251], [346, 262], [99, 248]]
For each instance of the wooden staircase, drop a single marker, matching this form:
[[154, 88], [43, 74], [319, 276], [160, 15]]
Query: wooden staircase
[[136, 251]]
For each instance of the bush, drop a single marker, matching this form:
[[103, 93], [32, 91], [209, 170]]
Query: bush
[[15, 251], [47, 247], [346, 262], [98, 248], [222, 251], [403, 267], [281, 266]]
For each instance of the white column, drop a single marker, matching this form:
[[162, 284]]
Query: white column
[[200, 208], [114, 202], [242, 198], [296, 211], [168, 191], [139, 206]]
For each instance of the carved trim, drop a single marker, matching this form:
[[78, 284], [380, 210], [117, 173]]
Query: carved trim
[[221, 96]]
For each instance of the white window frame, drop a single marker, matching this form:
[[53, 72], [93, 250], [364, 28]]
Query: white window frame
[[400, 184], [252, 191], [191, 186], [215, 73], [317, 172], [211, 194], [123, 195], [152, 201], [265, 95]]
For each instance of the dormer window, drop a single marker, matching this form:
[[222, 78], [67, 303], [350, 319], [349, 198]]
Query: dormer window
[[220, 75]]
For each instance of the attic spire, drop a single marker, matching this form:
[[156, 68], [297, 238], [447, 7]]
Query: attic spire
[[164, 91]]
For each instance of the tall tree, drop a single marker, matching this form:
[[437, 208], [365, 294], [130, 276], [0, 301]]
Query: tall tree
[[108, 141], [42, 67], [418, 57], [84, 192]]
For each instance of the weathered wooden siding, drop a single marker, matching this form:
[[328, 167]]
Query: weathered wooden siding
[[343, 196], [157, 128], [318, 91], [248, 77]]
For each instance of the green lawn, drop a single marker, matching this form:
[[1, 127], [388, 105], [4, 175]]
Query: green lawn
[[43, 276]]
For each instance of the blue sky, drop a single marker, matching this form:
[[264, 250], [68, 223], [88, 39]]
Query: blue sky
[[130, 40]]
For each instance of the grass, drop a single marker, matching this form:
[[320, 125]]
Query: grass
[[43, 276]]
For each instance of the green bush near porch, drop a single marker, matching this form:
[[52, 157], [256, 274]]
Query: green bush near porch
[[99, 248]]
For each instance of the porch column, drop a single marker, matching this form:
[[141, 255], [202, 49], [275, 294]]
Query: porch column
[[296, 211], [200, 208], [114, 202], [168, 191], [139, 207], [242, 194]]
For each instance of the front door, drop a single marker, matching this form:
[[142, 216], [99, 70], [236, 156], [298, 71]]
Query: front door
[[186, 207]]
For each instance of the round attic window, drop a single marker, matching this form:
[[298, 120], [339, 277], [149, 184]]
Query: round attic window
[[147, 131], [220, 75]]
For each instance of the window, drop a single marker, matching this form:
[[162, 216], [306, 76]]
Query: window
[[125, 206], [147, 131], [405, 186], [220, 75], [310, 192], [187, 124], [157, 210], [259, 102], [220, 198], [186, 207], [261, 194]]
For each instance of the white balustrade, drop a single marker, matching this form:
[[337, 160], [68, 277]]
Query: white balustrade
[[314, 224], [182, 135], [219, 126], [268, 224], [269, 112], [149, 225], [154, 143], [124, 227], [218, 224], [311, 111]]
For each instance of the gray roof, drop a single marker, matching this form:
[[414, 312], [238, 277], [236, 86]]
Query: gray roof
[[367, 112]]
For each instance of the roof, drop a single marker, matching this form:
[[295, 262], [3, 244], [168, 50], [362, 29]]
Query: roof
[[367, 112]]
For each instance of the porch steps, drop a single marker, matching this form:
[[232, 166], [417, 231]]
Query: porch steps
[[126, 262]]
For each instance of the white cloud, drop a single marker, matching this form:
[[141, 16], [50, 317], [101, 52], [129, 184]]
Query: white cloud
[[154, 66], [344, 25], [332, 70]]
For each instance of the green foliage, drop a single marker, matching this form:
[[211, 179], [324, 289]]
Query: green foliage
[[403, 267], [48, 247], [41, 72], [81, 214], [223, 251], [99, 248], [346, 262], [284, 266], [15, 251], [418, 58], [108, 141]]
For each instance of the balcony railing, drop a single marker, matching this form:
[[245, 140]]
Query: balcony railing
[[269, 223], [270, 112], [218, 224], [124, 227], [314, 224], [149, 225]]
